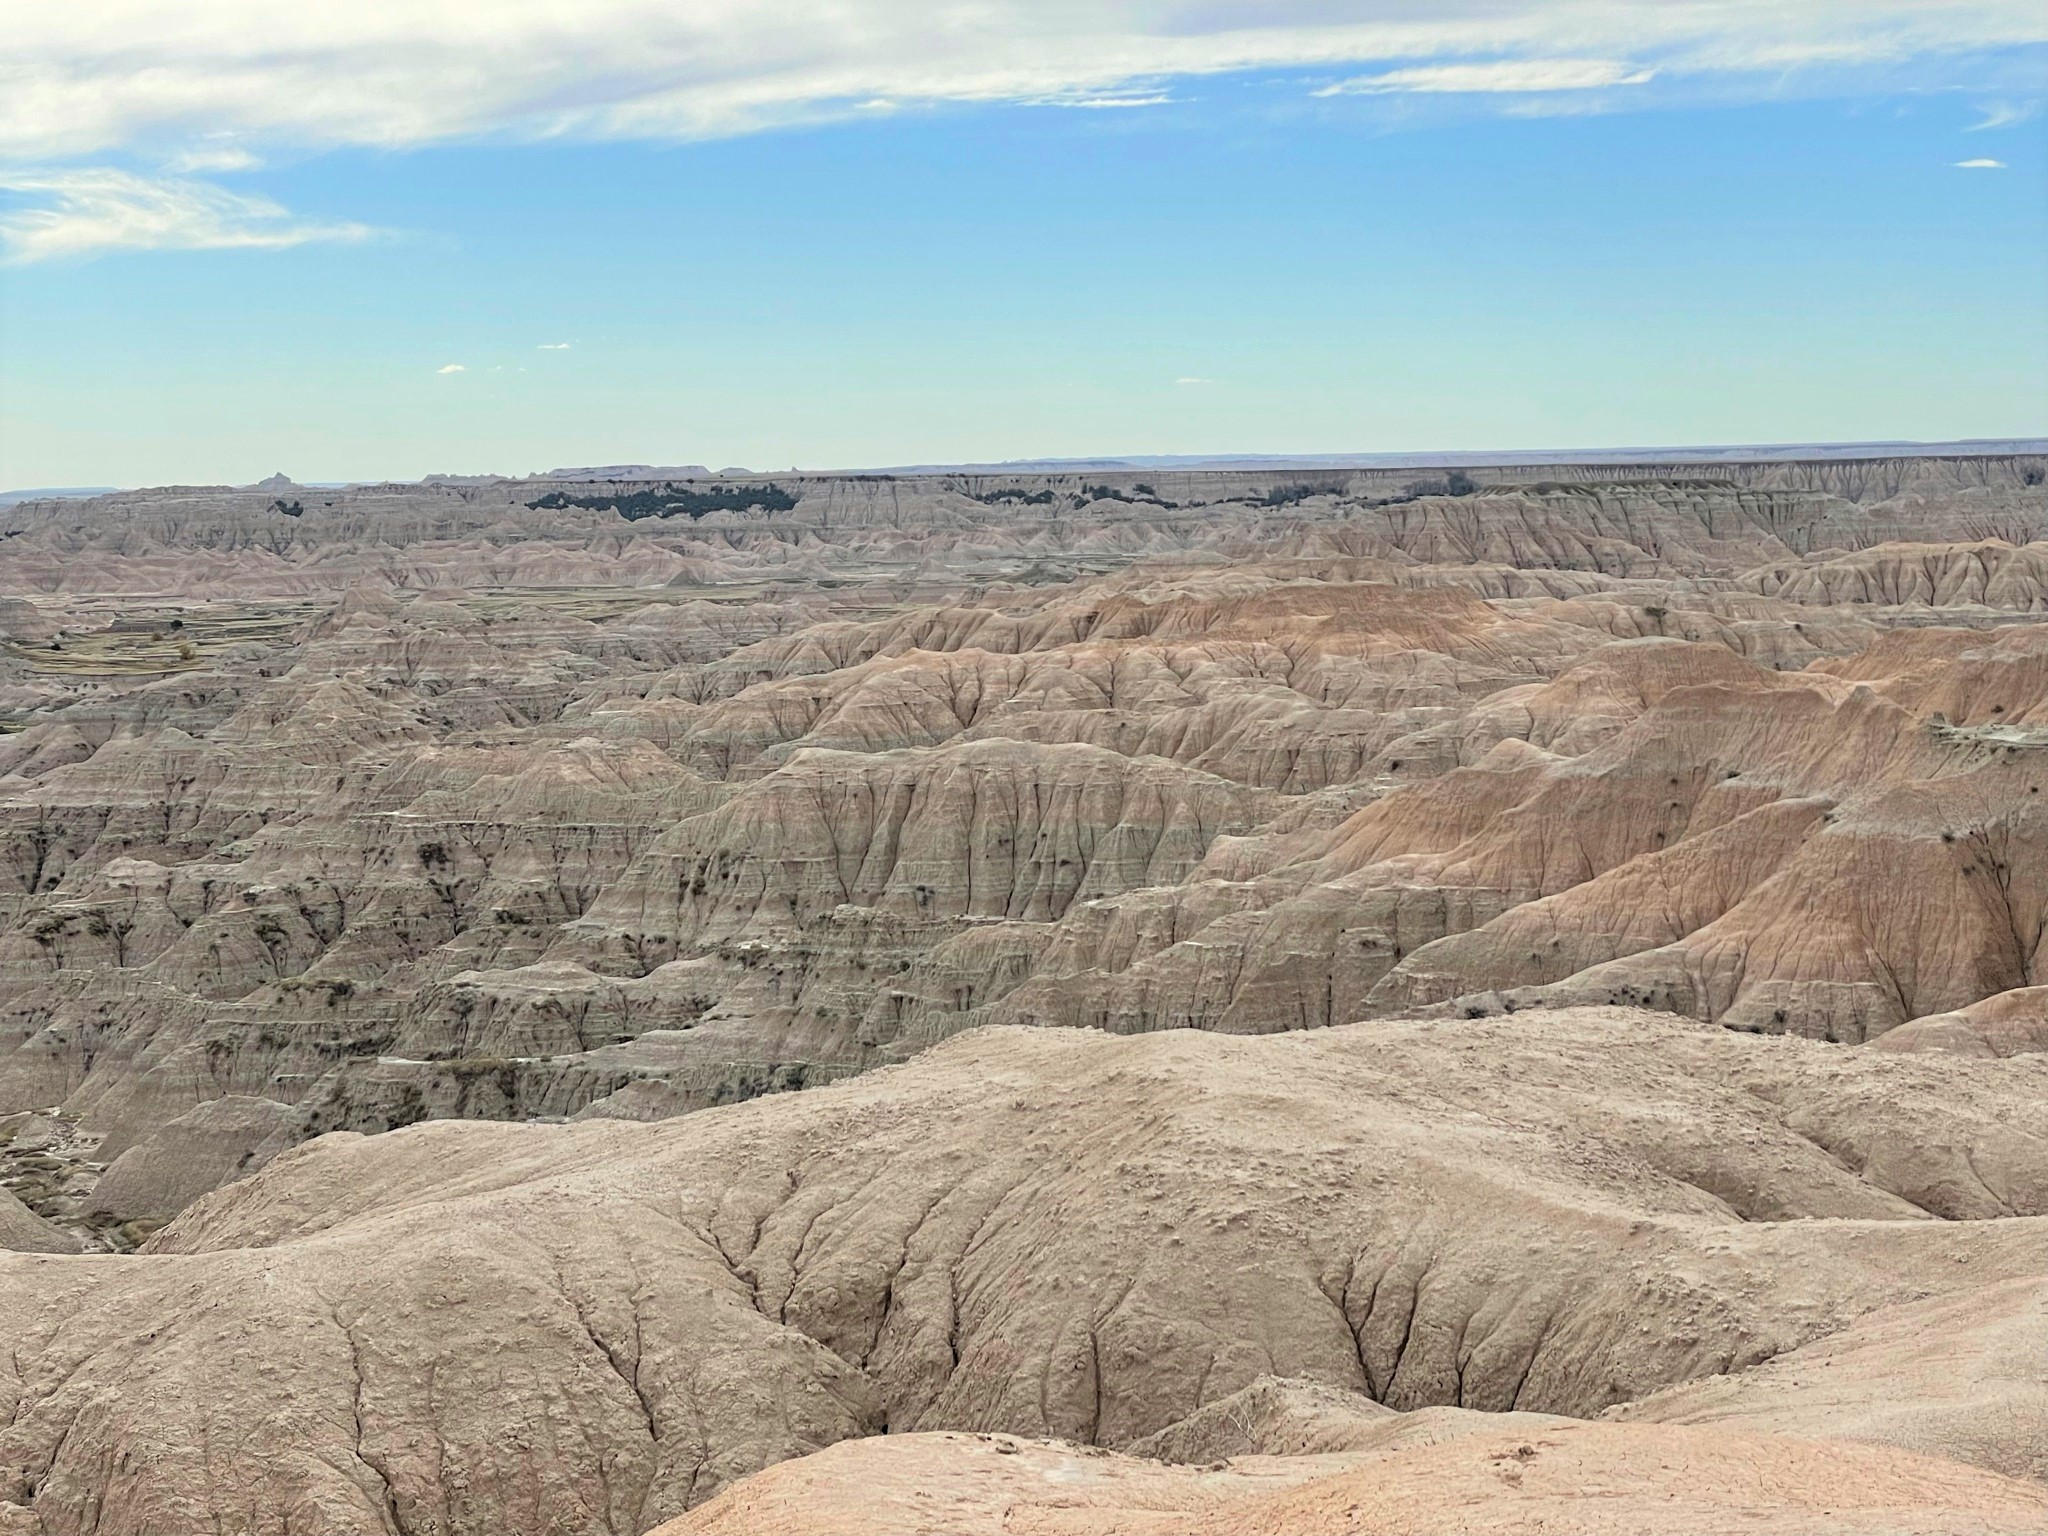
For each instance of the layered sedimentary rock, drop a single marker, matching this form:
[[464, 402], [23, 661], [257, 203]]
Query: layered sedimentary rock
[[219, 1142], [259, 540], [386, 829], [565, 815]]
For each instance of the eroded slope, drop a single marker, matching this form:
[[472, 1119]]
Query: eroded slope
[[1047, 1233]]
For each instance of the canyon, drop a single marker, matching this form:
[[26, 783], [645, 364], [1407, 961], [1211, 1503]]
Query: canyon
[[1172, 1000]]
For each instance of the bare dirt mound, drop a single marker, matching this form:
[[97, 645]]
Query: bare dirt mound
[[2011, 1023], [23, 1231], [1576, 1480], [1046, 1233], [1277, 1417], [1954, 1376]]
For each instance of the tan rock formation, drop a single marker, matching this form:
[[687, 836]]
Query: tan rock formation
[[23, 1231], [1947, 1377], [1049, 1234], [220, 1141], [1582, 1480], [1281, 790], [2005, 1024], [616, 802]]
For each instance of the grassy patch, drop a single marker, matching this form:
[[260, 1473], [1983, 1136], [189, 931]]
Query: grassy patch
[[149, 639]]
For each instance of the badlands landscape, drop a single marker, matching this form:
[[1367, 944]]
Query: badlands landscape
[[1504, 999]]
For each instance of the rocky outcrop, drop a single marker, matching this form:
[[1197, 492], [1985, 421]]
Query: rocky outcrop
[[1641, 520], [1992, 574], [23, 1231], [981, 831], [2011, 1023], [220, 1141], [601, 1325]]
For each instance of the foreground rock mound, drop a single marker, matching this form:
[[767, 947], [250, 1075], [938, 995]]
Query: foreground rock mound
[[476, 1327], [1578, 1480], [1954, 1376]]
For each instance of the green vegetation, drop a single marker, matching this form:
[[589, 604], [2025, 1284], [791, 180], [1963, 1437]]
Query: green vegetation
[[1456, 483], [673, 501], [1028, 498], [336, 991], [1288, 495], [1136, 495]]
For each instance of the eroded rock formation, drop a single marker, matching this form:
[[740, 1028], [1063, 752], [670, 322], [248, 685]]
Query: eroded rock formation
[[567, 815], [1050, 1234]]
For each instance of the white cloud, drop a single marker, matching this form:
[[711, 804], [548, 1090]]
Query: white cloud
[[214, 158], [553, 346], [451, 368], [2005, 114], [87, 212], [96, 76], [1501, 76], [1980, 165], [1149, 99], [1192, 380]]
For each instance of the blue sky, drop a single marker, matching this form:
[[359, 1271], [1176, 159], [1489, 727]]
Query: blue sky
[[1572, 247]]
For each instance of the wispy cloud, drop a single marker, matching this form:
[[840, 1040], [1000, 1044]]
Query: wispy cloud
[[1506, 75], [106, 75], [1147, 99], [553, 346], [2006, 114], [1980, 165], [213, 158], [451, 368], [1192, 380], [88, 212]]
